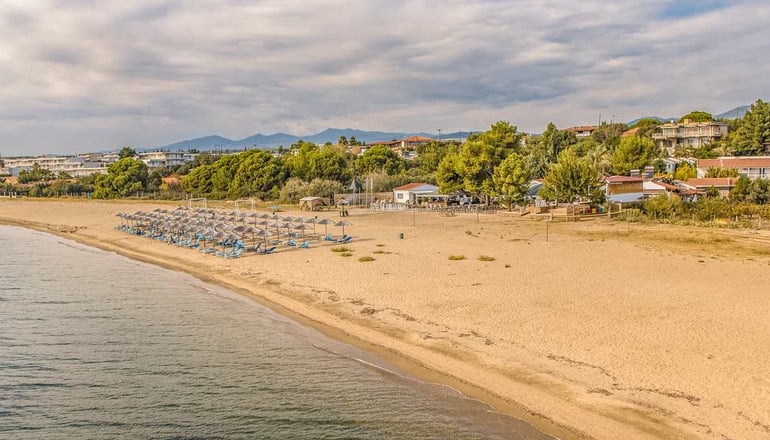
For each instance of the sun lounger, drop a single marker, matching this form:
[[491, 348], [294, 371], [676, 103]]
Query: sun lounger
[[266, 251], [344, 239], [305, 245]]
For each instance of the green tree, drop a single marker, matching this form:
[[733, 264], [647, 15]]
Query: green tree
[[511, 180], [753, 131], [448, 174], [380, 158], [741, 190], [329, 163], [126, 152], [198, 181], [430, 155], [722, 172], [258, 174], [570, 179], [646, 127], [609, 134], [124, 178], [697, 116], [35, 174], [554, 141], [224, 172], [481, 154], [633, 153], [298, 162], [685, 171]]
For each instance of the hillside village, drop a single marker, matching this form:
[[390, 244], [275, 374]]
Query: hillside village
[[686, 160]]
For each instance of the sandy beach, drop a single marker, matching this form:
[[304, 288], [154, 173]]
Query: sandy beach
[[596, 333]]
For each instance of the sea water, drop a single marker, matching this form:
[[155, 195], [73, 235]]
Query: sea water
[[94, 345]]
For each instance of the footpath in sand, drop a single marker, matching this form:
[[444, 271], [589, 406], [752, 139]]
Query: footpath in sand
[[596, 333]]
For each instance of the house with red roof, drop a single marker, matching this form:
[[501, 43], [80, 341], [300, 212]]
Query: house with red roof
[[408, 193], [722, 184], [582, 131], [753, 167]]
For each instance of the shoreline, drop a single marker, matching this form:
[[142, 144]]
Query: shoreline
[[647, 354], [403, 364]]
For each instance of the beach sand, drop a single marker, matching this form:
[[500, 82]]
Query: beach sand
[[596, 333]]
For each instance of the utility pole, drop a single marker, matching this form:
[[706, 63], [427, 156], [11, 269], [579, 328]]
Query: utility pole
[[439, 135]]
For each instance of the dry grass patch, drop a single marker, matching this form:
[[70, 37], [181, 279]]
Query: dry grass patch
[[456, 257], [346, 254], [366, 258], [486, 258], [342, 249]]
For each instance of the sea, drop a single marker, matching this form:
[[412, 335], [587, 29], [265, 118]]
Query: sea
[[94, 345]]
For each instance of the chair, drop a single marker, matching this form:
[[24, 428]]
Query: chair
[[305, 245]]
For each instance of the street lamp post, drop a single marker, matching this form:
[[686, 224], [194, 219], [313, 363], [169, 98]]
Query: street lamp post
[[439, 135]]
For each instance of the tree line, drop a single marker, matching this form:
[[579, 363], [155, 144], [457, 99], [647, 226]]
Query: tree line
[[496, 165]]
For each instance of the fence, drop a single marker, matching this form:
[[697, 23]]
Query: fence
[[382, 206]]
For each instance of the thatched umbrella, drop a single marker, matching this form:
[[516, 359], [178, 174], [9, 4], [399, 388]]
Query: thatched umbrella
[[302, 227], [326, 222], [342, 224]]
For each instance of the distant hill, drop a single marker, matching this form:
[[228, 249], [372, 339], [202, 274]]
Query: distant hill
[[203, 143], [735, 113], [658, 118], [277, 139]]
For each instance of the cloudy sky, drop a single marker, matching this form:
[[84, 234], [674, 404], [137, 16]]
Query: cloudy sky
[[84, 75]]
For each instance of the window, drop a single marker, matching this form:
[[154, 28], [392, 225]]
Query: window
[[400, 196]]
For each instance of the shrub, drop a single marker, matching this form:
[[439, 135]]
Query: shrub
[[366, 258], [456, 257], [343, 249], [486, 258]]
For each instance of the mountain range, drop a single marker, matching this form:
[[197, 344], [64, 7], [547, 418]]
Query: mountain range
[[268, 141], [274, 140], [735, 113]]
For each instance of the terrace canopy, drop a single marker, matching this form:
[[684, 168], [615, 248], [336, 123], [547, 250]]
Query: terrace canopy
[[312, 203]]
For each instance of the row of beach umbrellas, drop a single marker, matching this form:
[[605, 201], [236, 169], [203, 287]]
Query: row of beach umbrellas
[[224, 226]]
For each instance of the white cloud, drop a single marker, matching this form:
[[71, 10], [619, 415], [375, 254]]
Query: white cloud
[[81, 75]]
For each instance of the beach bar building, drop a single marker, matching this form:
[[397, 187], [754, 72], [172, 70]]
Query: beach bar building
[[408, 193]]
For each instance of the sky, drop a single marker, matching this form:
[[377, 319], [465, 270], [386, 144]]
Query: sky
[[90, 75]]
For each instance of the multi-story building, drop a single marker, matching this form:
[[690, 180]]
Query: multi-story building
[[673, 135], [158, 159], [75, 166], [753, 167]]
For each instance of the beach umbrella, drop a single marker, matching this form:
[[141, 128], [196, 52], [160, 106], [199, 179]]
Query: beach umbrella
[[342, 224], [326, 222], [302, 227], [311, 220], [264, 215]]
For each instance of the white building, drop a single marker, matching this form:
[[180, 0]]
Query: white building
[[408, 193], [673, 135], [75, 166], [158, 159], [753, 167]]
